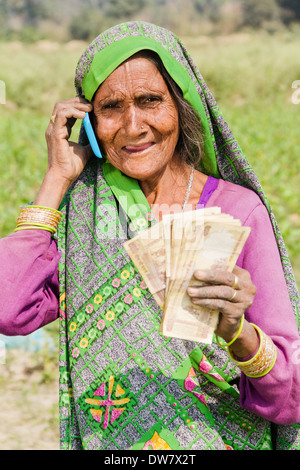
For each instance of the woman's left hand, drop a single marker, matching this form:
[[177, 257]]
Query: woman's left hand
[[230, 293]]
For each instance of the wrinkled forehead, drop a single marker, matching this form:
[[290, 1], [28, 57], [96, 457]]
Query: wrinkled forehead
[[137, 75], [137, 78]]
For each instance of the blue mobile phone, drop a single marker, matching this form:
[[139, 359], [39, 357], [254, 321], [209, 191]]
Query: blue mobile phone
[[91, 135]]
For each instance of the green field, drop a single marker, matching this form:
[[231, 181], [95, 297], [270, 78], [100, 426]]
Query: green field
[[250, 76]]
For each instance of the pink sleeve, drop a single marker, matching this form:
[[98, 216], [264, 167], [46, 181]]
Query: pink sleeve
[[29, 282], [276, 396]]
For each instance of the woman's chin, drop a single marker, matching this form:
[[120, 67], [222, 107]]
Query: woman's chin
[[139, 167], [139, 172]]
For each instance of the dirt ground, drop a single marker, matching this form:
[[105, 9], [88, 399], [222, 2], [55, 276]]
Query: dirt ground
[[29, 402]]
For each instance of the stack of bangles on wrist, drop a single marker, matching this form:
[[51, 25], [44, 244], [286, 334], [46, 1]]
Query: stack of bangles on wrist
[[263, 360], [38, 217]]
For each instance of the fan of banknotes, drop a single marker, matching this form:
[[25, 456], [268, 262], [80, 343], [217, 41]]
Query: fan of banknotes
[[168, 253]]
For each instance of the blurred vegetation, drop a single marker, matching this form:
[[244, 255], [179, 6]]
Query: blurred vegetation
[[30, 20]]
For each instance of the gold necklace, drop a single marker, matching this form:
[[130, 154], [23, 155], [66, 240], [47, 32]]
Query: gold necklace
[[187, 194]]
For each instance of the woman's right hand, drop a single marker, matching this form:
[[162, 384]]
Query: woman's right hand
[[66, 159]]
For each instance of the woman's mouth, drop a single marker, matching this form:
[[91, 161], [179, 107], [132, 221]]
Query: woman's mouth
[[137, 148]]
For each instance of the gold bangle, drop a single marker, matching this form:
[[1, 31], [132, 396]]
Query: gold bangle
[[38, 216], [32, 208], [34, 227], [42, 210], [226, 345], [263, 361]]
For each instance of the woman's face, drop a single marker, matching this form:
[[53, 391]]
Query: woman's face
[[136, 119]]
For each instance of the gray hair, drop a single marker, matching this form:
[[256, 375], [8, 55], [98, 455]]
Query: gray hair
[[190, 142]]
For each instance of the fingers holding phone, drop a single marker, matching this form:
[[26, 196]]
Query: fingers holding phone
[[67, 159]]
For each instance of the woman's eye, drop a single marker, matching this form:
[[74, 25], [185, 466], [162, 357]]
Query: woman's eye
[[111, 105], [108, 106], [152, 99]]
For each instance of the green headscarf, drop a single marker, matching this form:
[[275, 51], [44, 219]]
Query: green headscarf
[[110, 58]]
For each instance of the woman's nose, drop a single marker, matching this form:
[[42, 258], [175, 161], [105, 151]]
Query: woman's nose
[[134, 121]]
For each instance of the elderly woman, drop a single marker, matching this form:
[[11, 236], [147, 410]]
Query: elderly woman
[[123, 385]]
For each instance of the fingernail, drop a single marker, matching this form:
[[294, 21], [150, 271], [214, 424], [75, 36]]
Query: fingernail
[[191, 290], [198, 273]]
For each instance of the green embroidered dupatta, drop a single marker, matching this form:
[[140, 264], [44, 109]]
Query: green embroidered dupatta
[[122, 384]]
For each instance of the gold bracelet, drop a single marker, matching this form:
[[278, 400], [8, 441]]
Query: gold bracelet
[[263, 361], [41, 217], [35, 227]]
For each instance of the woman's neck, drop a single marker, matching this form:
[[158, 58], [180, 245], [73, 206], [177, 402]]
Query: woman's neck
[[167, 191]]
